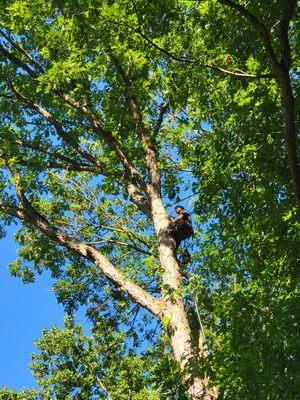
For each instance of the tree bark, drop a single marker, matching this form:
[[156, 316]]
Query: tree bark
[[189, 356], [290, 128]]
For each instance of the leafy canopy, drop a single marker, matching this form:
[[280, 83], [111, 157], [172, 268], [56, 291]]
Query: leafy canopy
[[217, 136]]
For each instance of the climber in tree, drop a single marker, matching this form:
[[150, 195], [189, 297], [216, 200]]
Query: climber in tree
[[183, 226]]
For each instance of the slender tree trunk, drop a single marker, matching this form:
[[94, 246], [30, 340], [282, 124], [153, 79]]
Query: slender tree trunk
[[290, 133], [175, 317]]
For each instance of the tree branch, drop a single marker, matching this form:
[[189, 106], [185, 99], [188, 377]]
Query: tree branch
[[75, 104], [136, 113], [130, 171], [59, 129], [284, 29], [106, 135], [21, 50], [129, 178], [71, 164], [259, 27], [288, 101], [124, 244], [136, 196], [163, 109], [17, 61], [236, 74], [28, 214], [282, 72]]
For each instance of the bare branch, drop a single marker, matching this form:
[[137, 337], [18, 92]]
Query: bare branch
[[126, 244], [131, 236], [239, 74]]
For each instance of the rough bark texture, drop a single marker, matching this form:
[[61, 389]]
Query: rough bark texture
[[290, 129], [288, 103], [186, 353]]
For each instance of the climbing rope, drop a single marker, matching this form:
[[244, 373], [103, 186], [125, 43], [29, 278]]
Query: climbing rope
[[185, 259]]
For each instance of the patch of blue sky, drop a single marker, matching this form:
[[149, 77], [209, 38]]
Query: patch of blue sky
[[25, 310]]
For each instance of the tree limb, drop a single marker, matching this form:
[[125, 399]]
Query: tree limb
[[71, 164], [136, 113], [284, 29], [21, 50], [137, 196], [59, 129], [125, 244], [75, 104], [282, 72], [106, 135], [28, 214], [259, 27], [17, 61], [163, 109], [288, 101], [236, 74], [130, 176]]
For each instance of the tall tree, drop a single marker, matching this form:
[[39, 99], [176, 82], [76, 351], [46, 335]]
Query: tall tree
[[81, 147], [130, 104], [248, 199]]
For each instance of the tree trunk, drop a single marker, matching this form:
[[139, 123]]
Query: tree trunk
[[190, 358], [290, 133], [175, 318]]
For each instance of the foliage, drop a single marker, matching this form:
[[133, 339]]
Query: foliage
[[214, 113], [76, 365]]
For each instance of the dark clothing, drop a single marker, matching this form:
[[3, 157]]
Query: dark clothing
[[178, 233], [183, 228], [186, 216]]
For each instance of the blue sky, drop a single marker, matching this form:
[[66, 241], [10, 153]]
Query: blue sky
[[24, 311]]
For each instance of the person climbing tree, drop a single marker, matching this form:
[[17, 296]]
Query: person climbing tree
[[183, 225]]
